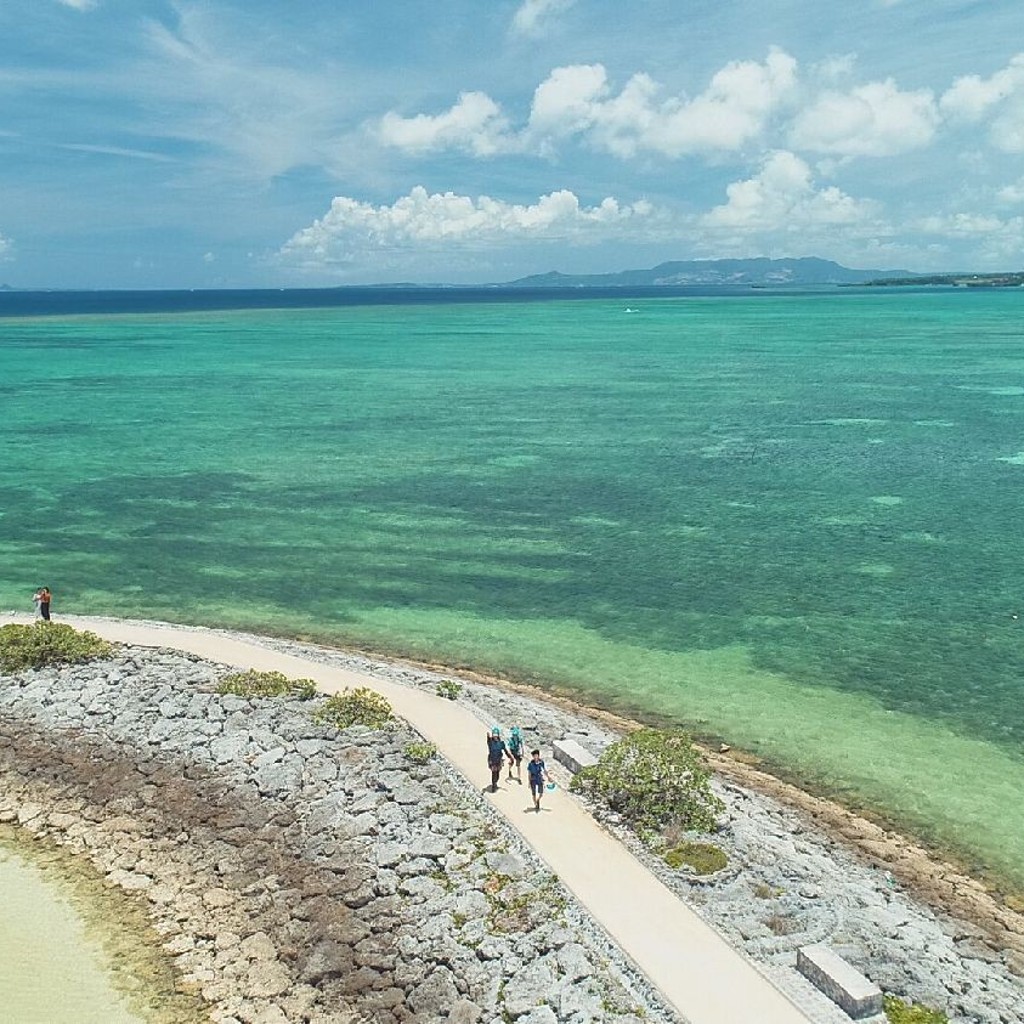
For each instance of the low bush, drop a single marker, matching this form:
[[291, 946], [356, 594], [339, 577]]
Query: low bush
[[449, 688], [48, 643], [656, 779], [899, 1012], [701, 858], [421, 753], [361, 706], [266, 684]]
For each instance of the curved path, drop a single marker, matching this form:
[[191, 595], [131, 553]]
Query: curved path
[[695, 969]]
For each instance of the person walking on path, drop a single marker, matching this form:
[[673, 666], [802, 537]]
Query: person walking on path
[[538, 773], [496, 754], [44, 603], [516, 748]]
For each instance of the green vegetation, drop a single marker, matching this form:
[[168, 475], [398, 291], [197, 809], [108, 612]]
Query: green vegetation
[[361, 706], [656, 779], [266, 684], [449, 688], [421, 753], [701, 858], [899, 1012], [48, 643]]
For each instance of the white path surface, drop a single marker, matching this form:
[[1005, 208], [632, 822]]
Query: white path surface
[[695, 969]]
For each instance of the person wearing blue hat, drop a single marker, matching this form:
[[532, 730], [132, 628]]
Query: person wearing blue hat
[[516, 748]]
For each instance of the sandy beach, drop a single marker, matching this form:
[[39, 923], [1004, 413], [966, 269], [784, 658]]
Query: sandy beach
[[917, 927]]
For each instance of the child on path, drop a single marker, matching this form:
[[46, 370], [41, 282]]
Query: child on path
[[516, 748], [496, 754], [538, 776]]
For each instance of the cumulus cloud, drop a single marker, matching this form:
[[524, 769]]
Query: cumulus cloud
[[445, 220], [534, 15], [1012, 194], [783, 197], [877, 119], [475, 123], [991, 240], [732, 110], [971, 98]]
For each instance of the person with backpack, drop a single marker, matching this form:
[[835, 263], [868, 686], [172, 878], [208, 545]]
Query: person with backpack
[[496, 754], [538, 773], [516, 748]]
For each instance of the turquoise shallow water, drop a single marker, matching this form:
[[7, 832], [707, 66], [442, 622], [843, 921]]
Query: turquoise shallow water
[[791, 521]]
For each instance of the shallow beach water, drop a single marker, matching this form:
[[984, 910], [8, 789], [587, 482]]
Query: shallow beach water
[[789, 521], [51, 968]]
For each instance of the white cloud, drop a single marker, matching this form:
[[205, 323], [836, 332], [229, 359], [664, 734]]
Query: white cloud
[[783, 197], [732, 110], [1011, 194], [876, 119], [6, 248], [972, 98], [79, 5], [475, 123], [991, 241], [534, 15], [442, 221]]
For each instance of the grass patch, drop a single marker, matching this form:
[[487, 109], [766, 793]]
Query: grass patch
[[421, 753], [899, 1012], [48, 643], [361, 706], [266, 684], [449, 689], [701, 858]]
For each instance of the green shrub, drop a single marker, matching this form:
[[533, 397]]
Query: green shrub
[[899, 1012], [361, 706], [449, 688], [701, 858], [266, 684], [656, 779], [421, 753], [48, 643]]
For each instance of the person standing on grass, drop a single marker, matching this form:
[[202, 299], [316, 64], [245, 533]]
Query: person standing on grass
[[516, 748], [538, 773], [496, 754]]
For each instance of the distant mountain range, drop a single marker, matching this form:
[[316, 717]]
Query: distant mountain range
[[760, 272]]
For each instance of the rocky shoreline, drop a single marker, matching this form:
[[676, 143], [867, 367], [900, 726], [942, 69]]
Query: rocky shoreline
[[297, 874]]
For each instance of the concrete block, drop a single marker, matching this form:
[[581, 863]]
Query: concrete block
[[572, 755], [840, 981]]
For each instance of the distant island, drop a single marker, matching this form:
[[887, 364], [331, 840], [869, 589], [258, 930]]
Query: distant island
[[1010, 279], [753, 273]]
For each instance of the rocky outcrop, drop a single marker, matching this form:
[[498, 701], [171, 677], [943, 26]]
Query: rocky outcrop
[[298, 874]]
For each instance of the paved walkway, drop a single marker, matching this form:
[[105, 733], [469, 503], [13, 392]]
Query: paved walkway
[[697, 972]]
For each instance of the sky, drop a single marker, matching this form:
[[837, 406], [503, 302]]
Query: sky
[[311, 143]]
